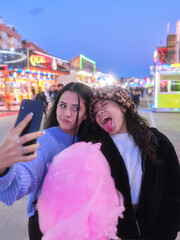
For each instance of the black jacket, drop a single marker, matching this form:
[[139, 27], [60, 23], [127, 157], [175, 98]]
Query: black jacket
[[158, 213]]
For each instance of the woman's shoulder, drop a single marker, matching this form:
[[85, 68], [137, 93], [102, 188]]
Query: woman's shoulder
[[49, 135], [52, 141], [55, 134], [159, 137]]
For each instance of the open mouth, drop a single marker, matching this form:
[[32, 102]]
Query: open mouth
[[107, 124], [105, 119]]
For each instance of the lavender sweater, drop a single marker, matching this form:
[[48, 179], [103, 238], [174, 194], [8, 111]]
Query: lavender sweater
[[27, 178]]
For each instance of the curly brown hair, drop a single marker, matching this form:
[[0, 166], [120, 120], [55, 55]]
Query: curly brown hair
[[138, 128]]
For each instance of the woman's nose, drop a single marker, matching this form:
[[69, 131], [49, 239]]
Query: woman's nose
[[67, 112], [100, 112]]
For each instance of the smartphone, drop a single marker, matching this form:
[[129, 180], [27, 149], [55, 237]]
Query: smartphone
[[31, 106]]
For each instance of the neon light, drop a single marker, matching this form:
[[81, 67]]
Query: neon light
[[156, 79], [85, 73], [155, 57], [50, 56], [80, 62], [176, 65], [164, 66], [35, 59], [94, 68], [88, 60]]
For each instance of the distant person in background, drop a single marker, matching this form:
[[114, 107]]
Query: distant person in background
[[150, 91], [41, 96], [53, 94], [33, 92], [142, 91], [136, 96], [130, 92], [60, 86]]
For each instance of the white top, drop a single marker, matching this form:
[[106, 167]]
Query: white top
[[132, 159]]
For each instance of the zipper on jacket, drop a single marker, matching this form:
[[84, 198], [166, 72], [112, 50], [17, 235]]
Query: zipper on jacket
[[139, 231], [143, 172]]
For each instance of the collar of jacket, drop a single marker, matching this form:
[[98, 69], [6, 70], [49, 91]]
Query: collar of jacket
[[152, 136]]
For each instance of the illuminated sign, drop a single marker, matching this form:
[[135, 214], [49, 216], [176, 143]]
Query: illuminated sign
[[169, 68], [36, 59], [22, 58], [176, 65], [41, 60], [14, 58]]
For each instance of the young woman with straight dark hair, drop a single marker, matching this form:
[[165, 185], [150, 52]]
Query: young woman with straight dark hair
[[64, 125]]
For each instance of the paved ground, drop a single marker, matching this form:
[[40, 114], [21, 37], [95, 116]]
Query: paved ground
[[13, 220]]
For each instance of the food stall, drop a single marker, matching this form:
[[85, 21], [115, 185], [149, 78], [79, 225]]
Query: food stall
[[28, 70], [166, 88]]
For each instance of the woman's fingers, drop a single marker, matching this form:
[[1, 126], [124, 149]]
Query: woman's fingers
[[30, 136], [27, 137], [26, 158], [29, 149], [12, 150], [20, 127]]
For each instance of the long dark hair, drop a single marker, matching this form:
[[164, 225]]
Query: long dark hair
[[138, 128], [82, 91]]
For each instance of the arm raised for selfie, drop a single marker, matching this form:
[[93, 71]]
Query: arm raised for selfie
[[11, 148]]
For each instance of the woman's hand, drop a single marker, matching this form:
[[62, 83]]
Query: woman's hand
[[11, 150]]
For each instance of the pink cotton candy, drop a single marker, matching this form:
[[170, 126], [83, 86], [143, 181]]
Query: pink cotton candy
[[78, 199]]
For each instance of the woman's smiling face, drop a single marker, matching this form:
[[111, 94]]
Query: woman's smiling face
[[109, 116], [67, 110]]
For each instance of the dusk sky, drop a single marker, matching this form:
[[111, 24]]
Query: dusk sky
[[120, 36]]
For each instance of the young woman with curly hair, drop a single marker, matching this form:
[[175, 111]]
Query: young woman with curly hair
[[143, 164]]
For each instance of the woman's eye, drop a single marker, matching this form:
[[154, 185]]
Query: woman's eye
[[62, 105], [76, 108], [104, 104]]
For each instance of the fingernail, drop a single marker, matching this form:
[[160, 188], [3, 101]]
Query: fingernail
[[30, 114]]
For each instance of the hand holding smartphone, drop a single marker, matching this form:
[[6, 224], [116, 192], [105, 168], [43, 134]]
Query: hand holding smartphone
[[31, 106]]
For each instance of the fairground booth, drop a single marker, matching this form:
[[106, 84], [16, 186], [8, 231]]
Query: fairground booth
[[85, 69], [82, 70], [166, 88], [23, 70]]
